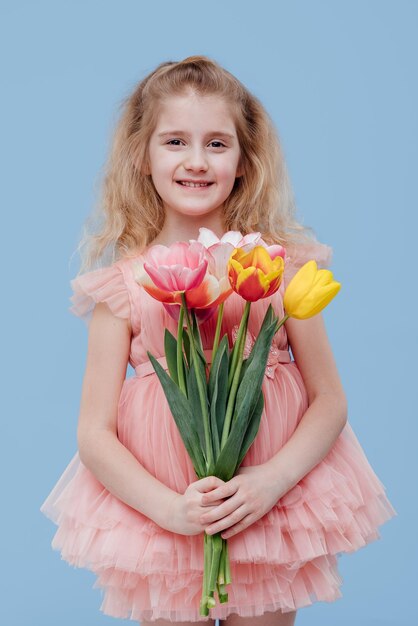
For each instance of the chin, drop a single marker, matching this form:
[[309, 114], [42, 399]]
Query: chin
[[196, 211]]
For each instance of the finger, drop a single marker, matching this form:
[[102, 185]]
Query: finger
[[220, 492], [225, 508], [207, 484], [237, 528], [226, 522], [211, 505]]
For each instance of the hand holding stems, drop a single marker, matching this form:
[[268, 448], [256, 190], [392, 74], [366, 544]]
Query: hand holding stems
[[249, 495], [185, 510]]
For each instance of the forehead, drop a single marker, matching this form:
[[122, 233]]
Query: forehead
[[195, 113]]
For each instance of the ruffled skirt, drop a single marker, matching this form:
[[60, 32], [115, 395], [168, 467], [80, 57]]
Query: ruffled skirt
[[286, 560]]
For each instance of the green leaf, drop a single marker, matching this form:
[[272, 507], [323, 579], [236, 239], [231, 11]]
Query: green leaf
[[268, 320], [186, 344], [182, 414], [218, 388], [252, 429], [214, 368], [247, 394], [247, 400], [170, 350], [228, 456], [195, 403], [217, 392], [196, 335]]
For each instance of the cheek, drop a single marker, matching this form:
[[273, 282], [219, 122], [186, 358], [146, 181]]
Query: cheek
[[228, 169], [161, 169]]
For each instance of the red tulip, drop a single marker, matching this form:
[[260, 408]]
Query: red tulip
[[256, 272]]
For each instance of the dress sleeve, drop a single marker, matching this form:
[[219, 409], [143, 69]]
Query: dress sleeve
[[106, 284], [299, 254]]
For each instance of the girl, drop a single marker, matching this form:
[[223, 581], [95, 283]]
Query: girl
[[195, 149]]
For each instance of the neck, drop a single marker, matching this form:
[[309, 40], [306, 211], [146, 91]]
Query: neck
[[184, 227]]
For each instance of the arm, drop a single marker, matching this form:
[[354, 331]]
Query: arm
[[255, 490], [326, 415], [99, 447]]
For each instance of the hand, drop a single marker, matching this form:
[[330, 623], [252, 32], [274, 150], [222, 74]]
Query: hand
[[250, 494], [184, 511]]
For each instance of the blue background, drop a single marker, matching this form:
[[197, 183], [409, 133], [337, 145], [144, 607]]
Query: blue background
[[339, 80]]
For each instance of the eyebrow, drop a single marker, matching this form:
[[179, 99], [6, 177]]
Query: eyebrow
[[217, 133]]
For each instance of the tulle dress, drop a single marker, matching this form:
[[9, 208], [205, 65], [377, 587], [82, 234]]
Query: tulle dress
[[288, 558]]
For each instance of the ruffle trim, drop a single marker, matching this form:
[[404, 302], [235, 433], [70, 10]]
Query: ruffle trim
[[106, 284], [256, 588], [286, 560], [298, 255]]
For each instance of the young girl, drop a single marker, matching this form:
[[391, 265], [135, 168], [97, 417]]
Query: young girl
[[195, 149]]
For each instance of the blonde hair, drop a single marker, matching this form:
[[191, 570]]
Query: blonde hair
[[130, 213]]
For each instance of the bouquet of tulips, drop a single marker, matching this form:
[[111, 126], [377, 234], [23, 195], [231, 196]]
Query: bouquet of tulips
[[218, 408]]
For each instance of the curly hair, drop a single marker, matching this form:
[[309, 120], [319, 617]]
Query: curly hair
[[130, 212]]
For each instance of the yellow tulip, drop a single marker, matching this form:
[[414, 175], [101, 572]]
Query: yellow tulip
[[256, 274], [309, 291]]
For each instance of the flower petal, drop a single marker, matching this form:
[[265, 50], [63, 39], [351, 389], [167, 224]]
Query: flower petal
[[251, 284]]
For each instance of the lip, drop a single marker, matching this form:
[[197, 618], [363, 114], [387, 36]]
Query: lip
[[191, 180], [195, 189]]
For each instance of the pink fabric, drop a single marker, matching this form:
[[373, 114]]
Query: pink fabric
[[102, 285], [298, 255], [286, 560]]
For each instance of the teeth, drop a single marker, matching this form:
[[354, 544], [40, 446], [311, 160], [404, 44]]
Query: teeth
[[189, 184]]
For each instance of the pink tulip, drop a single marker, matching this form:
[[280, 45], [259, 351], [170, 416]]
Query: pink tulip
[[191, 268], [167, 272]]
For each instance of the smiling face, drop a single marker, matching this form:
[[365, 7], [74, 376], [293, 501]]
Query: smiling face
[[194, 154]]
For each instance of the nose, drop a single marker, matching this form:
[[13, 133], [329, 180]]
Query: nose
[[196, 160]]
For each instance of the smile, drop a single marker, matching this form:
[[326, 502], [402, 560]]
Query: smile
[[194, 185]]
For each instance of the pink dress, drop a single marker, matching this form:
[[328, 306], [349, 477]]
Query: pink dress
[[288, 558]]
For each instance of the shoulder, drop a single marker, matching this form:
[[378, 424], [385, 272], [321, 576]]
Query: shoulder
[[102, 285], [297, 254]]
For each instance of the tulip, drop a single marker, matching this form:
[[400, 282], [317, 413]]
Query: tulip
[[309, 291], [189, 268], [167, 272], [256, 272], [215, 287], [233, 237], [219, 251]]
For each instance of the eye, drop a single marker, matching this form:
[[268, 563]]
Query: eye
[[174, 144], [220, 144]]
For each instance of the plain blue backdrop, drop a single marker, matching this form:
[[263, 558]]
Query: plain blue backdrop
[[339, 80]]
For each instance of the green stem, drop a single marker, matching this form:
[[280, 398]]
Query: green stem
[[201, 388], [242, 332], [218, 330], [282, 321], [235, 381], [216, 541], [221, 574], [204, 609], [222, 581], [227, 565], [179, 353]]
